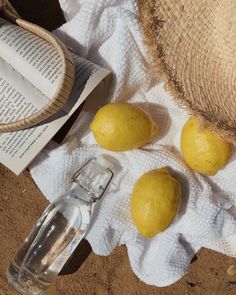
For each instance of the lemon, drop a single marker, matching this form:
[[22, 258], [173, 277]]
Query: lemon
[[155, 201], [203, 150], [122, 126]]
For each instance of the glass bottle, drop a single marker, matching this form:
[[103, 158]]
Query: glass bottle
[[59, 230]]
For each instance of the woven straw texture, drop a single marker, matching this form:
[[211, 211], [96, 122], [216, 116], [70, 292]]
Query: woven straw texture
[[194, 44], [8, 9], [67, 78]]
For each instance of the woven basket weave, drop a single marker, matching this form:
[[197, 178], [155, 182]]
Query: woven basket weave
[[67, 78], [193, 44]]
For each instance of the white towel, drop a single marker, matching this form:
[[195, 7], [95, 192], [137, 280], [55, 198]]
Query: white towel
[[108, 33]]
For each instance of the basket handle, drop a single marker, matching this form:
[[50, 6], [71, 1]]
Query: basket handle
[[65, 84]]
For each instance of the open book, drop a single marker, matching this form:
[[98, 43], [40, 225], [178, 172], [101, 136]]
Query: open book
[[30, 74]]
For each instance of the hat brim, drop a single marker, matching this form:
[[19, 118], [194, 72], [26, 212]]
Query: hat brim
[[193, 45]]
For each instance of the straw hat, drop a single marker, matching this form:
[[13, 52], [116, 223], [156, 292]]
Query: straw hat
[[193, 43]]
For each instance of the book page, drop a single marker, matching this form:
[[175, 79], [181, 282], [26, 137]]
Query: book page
[[18, 149], [18, 98], [34, 58]]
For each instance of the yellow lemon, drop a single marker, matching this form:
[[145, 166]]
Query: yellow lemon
[[155, 201], [203, 150], [122, 127]]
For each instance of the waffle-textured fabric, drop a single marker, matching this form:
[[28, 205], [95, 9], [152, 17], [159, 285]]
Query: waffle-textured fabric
[[108, 33]]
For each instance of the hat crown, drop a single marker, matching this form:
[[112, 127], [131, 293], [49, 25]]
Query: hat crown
[[193, 43]]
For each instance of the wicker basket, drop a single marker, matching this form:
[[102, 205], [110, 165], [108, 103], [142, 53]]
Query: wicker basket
[[67, 78]]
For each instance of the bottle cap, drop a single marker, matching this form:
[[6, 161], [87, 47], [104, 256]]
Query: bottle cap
[[105, 161], [93, 178]]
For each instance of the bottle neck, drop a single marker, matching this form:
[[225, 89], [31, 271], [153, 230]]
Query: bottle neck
[[78, 192]]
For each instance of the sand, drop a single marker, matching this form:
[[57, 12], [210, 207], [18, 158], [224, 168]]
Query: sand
[[22, 203]]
